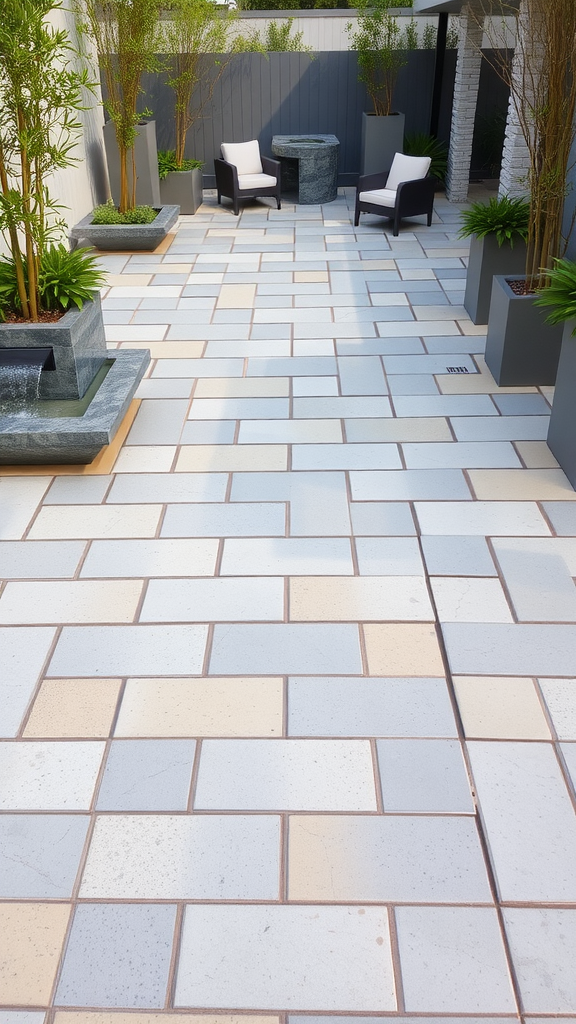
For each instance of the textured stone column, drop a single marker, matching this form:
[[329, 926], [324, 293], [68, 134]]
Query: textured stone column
[[515, 155], [464, 108]]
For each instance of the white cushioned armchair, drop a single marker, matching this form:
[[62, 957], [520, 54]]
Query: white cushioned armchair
[[243, 174], [405, 191]]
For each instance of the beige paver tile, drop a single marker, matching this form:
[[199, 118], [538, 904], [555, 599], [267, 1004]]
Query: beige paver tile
[[57, 601], [402, 649], [201, 707], [358, 598], [107, 521], [242, 387], [145, 458], [228, 458], [32, 939], [137, 283], [73, 707], [236, 296], [301, 276], [500, 708], [536, 454], [169, 349], [95, 1017], [521, 485], [475, 384], [405, 429]]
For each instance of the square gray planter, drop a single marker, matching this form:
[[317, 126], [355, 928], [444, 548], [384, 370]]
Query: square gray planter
[[126, 237], [382, 137], [183, 189], [77, 341], [521, 349], [562, 429], [487, 259], [146, 160]]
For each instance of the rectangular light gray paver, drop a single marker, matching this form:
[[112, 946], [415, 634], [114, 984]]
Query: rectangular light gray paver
[[499, 428], [483, 518], [424, 775], [389, 556], [158, 421], [408, 484], [147, 775], [286, 556], [48, 776], [112, 651], [235, 519], [302, 958], [324, 431], [23, 653], [382, 519], [345, 456], [230, 857], [442, 971], [560, 697], [302, 366], [214, 600], [287, 774], [529, 820], [144, 488], [198, 367], [239, 408], [424, 364], [19, 499], [118, 956], [142, 558], [40, 854], [345, 406], [278, 649], [318, 501], [444, 405], [501, 649], [405, 859], [369, 707], [412, 384], [538, 575], [457, 556], [208, 432], [464, 455], [77, 490], [522, 405], [562, 516], [543, 945], [22, 1016], [361, 375], [152, 388]]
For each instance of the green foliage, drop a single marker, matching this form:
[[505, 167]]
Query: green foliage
[[167, 162], [377, 39], [41, 92], [560, 294], [505, 218], [64, 278], [277, 39], [108, 214], [429, 36], [420, 144]]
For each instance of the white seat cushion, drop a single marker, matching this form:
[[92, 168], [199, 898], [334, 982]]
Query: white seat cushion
[[244, 155], [407, 168], [379, 196], [255, 181]]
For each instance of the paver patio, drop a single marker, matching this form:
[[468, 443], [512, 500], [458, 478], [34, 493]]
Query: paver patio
[[288, 678]]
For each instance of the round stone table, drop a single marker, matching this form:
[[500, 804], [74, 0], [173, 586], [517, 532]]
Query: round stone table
[[310, 164]]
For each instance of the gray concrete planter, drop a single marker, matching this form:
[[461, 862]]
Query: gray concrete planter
[[382, 137], [145, 158], [126, 237], [78, 344], [183, 189], [521, 349], [487, 259], [562, 429]]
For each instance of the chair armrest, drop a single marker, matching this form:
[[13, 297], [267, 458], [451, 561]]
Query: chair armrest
[[270, 166], [419, 189], [226, 176], [366, 182]]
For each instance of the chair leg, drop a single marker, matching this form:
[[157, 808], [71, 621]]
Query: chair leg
[[278, 203], [356, 217], [396, 224], [236, 207], [430, 218], [219, 199]]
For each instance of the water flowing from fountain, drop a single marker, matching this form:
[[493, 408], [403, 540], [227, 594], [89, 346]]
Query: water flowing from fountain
[[19, 386]]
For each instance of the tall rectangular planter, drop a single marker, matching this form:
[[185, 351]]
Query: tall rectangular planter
[[562, 429], [183, 189], [521, 349], [382, 137], [146, 159], [487, 259]]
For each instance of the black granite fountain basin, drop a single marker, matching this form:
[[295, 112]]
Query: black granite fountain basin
[[73, 430]]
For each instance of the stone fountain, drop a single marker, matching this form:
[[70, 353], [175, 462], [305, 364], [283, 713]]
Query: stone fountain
[[63, 395]]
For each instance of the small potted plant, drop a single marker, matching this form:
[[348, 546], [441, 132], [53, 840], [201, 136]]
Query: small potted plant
[[126, 37], [377, 40], [560, 296], [49, 297], [498, 231]]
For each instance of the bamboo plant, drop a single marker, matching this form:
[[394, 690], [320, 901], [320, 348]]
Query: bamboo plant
[[378, 40], [542, 83], [41, 94], [126, 37]]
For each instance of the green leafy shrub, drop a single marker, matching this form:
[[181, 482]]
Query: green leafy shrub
[[108, 214], [560, 294], [505, 218], [167, 163], [420, 144], [64, 278]]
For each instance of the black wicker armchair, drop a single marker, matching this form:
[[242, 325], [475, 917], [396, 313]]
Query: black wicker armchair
[[243, 174], [405, 191]]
